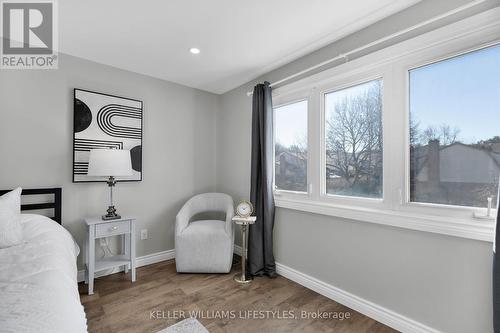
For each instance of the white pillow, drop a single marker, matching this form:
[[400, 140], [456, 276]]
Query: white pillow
[[10, 219]]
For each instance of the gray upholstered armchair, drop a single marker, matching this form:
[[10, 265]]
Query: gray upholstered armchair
[[204, 246]]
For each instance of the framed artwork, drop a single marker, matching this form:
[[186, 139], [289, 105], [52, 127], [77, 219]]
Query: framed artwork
[[103, 121]]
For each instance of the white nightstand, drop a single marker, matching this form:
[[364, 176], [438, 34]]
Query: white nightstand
[[97, 228]]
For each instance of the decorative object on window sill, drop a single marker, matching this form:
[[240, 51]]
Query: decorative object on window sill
[[110, 163], [489, 213], [99, 123]]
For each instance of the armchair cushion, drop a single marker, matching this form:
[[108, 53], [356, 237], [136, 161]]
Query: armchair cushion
[[205, 228]]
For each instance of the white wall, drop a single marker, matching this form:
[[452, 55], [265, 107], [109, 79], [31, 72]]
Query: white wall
[[36, 133], [443, 282]]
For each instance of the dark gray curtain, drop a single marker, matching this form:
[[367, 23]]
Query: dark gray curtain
[[496, 272], [260, 236]]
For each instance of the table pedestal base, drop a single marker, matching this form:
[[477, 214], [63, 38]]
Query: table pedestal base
[[241, 279]]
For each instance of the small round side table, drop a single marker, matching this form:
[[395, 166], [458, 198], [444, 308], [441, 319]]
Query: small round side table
[[244, 222]]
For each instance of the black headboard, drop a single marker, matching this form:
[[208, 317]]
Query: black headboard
[[56, 204]]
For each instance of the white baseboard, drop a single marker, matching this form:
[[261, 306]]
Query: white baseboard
[[155, 257], [369, 309], [140, 261]]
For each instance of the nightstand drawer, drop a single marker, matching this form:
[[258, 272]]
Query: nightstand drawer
[[112, 228]]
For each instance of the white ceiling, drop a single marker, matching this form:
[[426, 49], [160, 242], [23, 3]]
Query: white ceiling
[[239, 40]]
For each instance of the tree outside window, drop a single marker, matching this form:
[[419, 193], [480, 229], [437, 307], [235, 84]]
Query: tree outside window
[[354, 141]]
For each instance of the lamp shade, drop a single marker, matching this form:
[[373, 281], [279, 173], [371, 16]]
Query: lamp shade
[[110, 162]]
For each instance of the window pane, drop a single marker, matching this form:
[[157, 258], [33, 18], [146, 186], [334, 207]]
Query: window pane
[[353, 140], [455, 130], [291, 147]]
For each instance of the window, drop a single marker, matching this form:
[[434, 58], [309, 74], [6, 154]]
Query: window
[[455, 130], [353, 141], [290, 147], [408, 136]]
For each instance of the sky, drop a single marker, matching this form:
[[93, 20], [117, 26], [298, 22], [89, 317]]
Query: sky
[[291, 123], [336, 97], [462, 92]]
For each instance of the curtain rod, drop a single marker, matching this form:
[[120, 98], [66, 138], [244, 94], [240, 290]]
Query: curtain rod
[[346, 55]]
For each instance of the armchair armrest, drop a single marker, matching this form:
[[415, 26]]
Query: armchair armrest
[[229, 220], [182, 218]]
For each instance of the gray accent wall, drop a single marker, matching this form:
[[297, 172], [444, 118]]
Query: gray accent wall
[[440, 281], [36, 135]]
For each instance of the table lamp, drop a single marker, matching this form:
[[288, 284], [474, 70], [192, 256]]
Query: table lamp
[[110, 163]]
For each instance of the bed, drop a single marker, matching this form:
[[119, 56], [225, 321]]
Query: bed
[[38, 278]]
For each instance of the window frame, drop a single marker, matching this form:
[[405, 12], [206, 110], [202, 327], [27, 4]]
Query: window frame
[[452, 211], [335, 86], [392, 65], [426, 60]]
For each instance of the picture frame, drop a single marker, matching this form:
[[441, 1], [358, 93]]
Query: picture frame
[[105, 121]]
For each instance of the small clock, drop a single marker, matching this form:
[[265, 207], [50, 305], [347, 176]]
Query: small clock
[[244, 209]]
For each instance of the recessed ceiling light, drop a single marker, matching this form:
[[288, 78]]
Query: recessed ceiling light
[[194, 50]]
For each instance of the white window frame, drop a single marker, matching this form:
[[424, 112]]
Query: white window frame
[[424, 59], [392, 64], [334, 86]]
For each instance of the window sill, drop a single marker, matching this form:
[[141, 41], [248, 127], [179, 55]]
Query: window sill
[[476, 229]]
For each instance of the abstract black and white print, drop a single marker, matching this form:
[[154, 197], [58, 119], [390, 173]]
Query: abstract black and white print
[[105, 121]]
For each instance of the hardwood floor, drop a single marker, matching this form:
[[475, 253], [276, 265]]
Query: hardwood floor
[[160, 297]]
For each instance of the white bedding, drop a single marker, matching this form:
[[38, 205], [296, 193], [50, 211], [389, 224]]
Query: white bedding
[[38, 281]]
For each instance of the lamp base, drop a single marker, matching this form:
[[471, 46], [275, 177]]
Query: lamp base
[[111, 215]]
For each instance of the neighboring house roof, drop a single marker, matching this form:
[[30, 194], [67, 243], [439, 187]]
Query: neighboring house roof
[[295, 159], [420, 154], [492, 149]]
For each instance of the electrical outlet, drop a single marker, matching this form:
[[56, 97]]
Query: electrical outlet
[[144, 234]]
